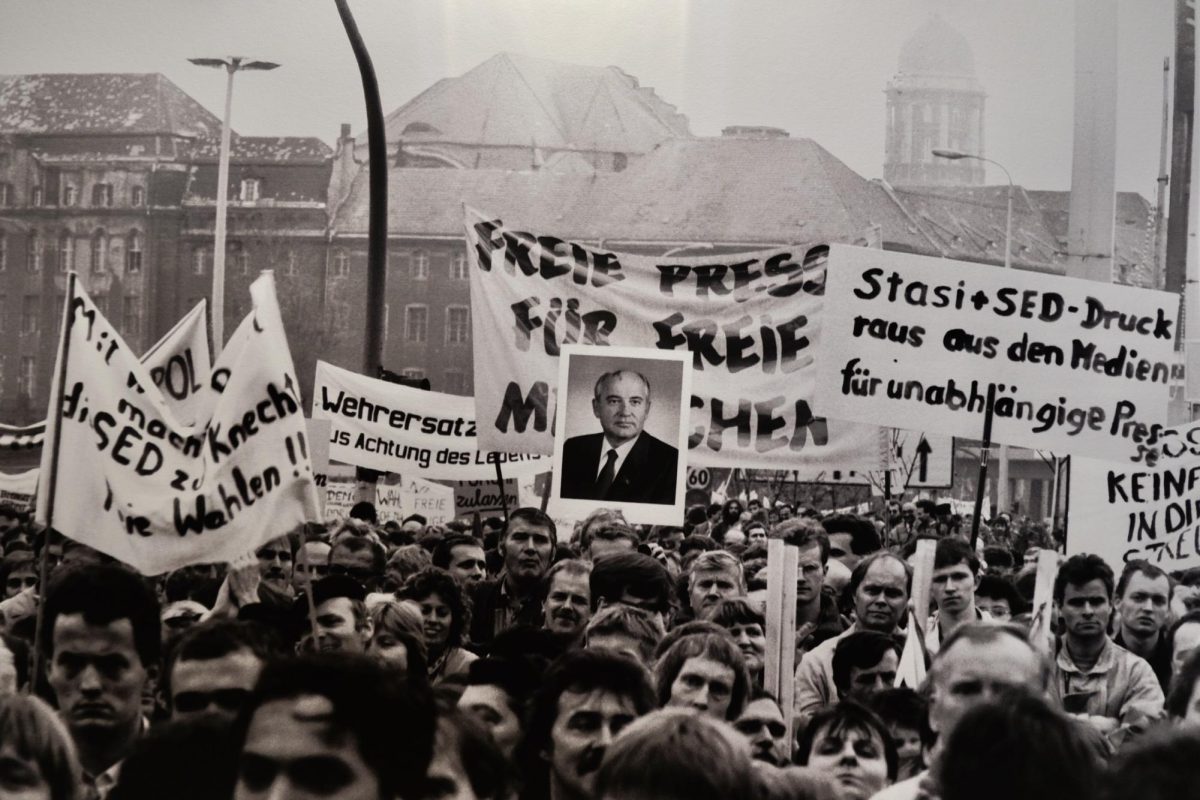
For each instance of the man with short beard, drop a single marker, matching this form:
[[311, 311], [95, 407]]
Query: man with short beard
[[275, 566], [515, 597], [568, 605], [587, 697]]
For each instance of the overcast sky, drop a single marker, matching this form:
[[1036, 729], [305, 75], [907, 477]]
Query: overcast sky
[[817, 68]]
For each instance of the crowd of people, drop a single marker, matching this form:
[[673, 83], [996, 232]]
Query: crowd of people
[[505, 658]]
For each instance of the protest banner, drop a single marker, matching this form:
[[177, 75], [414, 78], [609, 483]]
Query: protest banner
[[921, 343], [123, 475], [1147, 508], [750, 321], [17, 490], [433, 501], [484, 497], [394, 428], [339, 497]]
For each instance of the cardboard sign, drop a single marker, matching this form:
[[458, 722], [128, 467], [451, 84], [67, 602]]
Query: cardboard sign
[[750, 323], [339, 497], [915, 342], [431, 500], [135, 483], [394, 428], [1148, 508], [485, 497]]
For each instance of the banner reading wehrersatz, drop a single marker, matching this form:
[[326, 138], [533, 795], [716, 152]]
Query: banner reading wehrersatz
[[751, 322], [394, 428]]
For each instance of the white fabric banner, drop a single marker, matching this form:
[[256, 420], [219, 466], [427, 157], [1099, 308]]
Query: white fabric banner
[[394, 428], [134, 482], [752, 322], [915, 342]]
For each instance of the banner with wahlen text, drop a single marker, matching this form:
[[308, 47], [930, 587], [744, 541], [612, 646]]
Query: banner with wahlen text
[[752, 322], [393, 428], [1077, 367], [136, 483]]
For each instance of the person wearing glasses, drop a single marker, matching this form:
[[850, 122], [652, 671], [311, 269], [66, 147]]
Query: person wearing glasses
[[213, 668]]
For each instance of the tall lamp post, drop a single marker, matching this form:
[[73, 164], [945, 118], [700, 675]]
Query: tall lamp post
[[230, 64], [955, 155]]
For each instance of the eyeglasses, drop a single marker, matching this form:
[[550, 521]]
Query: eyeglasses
[[231, 700], [752, 726]]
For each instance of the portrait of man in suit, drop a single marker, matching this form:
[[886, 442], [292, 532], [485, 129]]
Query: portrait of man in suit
[[622, 463]]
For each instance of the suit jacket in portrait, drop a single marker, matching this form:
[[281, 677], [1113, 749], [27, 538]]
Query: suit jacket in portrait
[[646, 476]]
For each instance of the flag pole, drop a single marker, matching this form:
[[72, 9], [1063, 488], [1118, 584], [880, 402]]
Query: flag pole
[[52, 481], [500, 486], [983, 462], [312, 608]]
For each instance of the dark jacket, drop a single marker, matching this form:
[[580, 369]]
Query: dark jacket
[[648, 474], [487, 601]]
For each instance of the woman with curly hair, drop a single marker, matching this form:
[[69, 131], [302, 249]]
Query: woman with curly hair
[[444, 617]]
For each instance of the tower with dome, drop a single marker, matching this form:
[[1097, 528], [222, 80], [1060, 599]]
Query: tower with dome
[[934, 101]]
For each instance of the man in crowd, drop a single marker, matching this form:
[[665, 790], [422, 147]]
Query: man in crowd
[[632, 579], [213, 668], [568, 605], [598, 541], [714, 576], [334, 726], [815, 607], [626, 630], [312, 563], [705, 672], [275, 566], [761, 722], [998, 597], [880, 587], [1143, 605], [865, 662], [462, 556], [341, 615], [955, 575], [527, 547], [101, 638], [1096, 679], [851, 538], [978, 663], [586, 698], [361, 558]]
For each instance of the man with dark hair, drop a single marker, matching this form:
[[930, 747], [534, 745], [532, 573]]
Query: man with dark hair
[[865, 662], [815, 607], [586, 698], [1095, 679], [762, 723], [1143, 605], [851, 538], [880, 586], [999, 598], [999, 561], [706, 672], [365, 511], [632, 579], [213, 668], [955, 575], [496, 693], [515, 597], [336, 727], [359, 558], [623, 463], [341, 614], [462, 556], [101, 638]]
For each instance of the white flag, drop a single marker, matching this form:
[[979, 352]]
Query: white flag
[[136, 483]]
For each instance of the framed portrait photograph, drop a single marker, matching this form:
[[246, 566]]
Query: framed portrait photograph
[[620, 433]]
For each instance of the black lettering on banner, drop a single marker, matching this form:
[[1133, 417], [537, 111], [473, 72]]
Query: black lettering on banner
[[547, 257], [178, 376], [591, 327], [518, 410], [758, 421], [200, 514]]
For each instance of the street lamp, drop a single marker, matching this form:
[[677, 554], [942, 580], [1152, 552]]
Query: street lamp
[[955, 155], [231, 65]]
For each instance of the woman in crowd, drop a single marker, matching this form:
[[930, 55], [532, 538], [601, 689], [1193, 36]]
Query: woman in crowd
[[849, 744], [398, 639], [444, 617], [38, 757]]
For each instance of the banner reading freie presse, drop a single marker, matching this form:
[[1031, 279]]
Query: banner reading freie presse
[[1146, 507], [394, 428], [1079, 367], [135, 483], [752, 322]]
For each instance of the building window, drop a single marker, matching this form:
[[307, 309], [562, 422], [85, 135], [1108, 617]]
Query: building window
[[133, 252], [416, 323], [250, 190], [200, 260], [137, 196], [418, 266], [102, 195], [458, 267], [35, 196], [132, 318], [341, 263], [99, 253], [66, 252], [35, 253], [25, 377], [70, 194], [456, 382], [458, 325], [6, 194], [238, 257], [413, 373], [293, 264], [29, 314]]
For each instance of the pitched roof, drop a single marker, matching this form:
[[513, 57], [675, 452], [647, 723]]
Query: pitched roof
[[1133, 234], [101, 103], [264, 148], [697, 190], [515, 100]]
